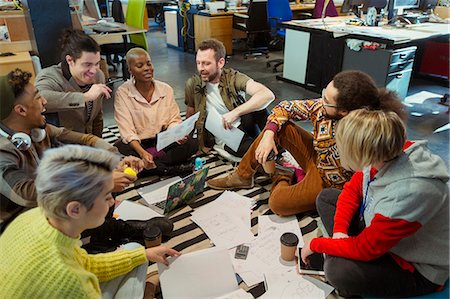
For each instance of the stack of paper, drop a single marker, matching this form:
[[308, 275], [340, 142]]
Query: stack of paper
[[128, 210], [226, 220]]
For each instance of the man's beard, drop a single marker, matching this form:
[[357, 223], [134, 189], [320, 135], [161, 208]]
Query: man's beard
[[212, 77], [335, 116]]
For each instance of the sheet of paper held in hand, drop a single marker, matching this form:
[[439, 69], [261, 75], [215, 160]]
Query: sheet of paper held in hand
[[176, 133], [206, 273], [214, 124]]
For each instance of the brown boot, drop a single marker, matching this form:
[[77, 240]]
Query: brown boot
[[231, 181]]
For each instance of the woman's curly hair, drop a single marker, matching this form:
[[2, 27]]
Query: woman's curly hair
[[18, 79]]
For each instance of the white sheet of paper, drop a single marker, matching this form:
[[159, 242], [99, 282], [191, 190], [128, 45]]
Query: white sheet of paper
[[166, 138], [128, 210], [279, 225], [232, 137], [420, 97], [291, 285], [206, 273], [238, 294], [441, 129], [158, 191], [223, 228]]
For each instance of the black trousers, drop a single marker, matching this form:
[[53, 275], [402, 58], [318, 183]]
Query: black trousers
[[379, 277], [252, 124], [175, 153]]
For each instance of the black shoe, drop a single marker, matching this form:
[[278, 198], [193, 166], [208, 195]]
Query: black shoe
[[164, 224], [171, 170]]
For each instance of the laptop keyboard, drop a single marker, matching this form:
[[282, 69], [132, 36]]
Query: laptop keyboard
[[161, 204]]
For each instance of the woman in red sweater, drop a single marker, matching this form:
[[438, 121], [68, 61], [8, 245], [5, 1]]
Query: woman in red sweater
[[390, 223]]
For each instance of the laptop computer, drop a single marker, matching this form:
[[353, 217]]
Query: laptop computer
[[176, 193]]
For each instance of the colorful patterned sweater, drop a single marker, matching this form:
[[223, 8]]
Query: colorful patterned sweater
[[38, 261], [328, 161]]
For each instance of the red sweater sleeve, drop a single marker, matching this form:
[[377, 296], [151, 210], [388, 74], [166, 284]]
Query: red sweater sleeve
[[348, 203], [375, 240]]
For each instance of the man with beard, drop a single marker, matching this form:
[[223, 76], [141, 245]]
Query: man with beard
[[316, 153], [75, 87], [224, 89]]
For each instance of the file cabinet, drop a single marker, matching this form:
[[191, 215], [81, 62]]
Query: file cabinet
[[389, 68]]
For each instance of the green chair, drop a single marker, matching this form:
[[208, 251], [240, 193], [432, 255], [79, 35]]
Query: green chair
[[135, 18]]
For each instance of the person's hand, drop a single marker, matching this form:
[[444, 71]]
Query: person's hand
[[266, 145], [184, 140], [306, 251], [131, 161], [96, 91], [340, 236], [122, 180], [159, 254], [228, 119], [148, 160]]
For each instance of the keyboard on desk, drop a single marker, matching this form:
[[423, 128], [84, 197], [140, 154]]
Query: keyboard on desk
[[161, 204]]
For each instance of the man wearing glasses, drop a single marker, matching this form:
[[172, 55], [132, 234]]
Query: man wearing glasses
[[316, 153]]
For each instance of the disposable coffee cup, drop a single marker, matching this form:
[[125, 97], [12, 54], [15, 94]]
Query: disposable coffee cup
[[269, 167], [152, 236], [289, 243]]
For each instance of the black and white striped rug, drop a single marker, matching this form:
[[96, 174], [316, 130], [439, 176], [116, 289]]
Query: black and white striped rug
[[187, 236]]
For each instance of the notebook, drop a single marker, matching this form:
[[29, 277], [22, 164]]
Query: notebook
[[106, 28], [175, 193]]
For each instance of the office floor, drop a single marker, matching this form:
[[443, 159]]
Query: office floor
[[175, 67]]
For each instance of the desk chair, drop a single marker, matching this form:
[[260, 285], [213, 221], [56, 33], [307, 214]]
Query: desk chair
[[330, 10], [256, 26], [134, 18], [279, 11]]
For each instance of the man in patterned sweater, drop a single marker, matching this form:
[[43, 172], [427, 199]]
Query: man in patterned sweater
[[316, 153]]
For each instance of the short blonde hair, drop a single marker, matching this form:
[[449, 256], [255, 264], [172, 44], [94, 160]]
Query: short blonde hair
[[72, 173], [365, 137], [134, 53]]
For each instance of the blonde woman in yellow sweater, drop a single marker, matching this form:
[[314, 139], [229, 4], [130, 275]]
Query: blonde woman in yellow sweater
[[40, 254]]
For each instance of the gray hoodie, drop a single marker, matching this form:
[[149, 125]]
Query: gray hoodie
[[414, 188]]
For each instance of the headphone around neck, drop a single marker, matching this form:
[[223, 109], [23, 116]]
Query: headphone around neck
[[23, 141]]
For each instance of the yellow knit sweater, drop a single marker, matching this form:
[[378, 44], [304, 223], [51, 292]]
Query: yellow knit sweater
[[38, 261]]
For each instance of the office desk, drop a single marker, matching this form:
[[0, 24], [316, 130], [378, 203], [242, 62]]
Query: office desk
[[315, 51], [218, 25], [21, 60], [116, 37]]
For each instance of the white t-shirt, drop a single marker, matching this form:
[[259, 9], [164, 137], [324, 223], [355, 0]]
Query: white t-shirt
[[214, 101]]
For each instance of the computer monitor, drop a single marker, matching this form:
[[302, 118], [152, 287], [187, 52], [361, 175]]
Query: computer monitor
[[428, 4], [90, 9], [397, 7]]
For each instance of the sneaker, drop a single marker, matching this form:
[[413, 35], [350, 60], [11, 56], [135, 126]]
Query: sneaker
[[231, 181]]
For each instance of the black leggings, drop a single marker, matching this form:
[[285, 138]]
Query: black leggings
[[175, 153], [379, 277]]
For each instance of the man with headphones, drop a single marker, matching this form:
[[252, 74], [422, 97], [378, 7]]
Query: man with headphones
[[25, 135]]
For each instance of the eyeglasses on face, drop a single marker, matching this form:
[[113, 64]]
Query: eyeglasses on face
[[325, 101]]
